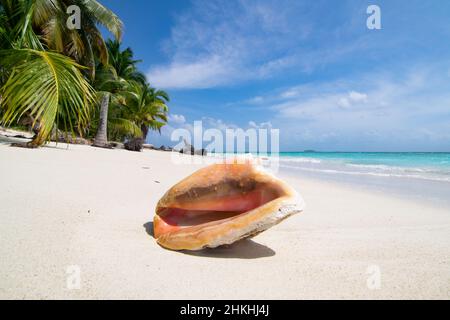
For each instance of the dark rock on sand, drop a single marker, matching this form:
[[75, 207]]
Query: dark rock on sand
[[135, 144]]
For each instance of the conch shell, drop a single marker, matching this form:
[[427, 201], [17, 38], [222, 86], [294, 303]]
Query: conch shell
[[221, 204]]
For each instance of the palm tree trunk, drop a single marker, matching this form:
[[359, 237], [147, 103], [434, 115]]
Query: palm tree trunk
[[37, 141], [38, 138], [101, 138], [144, 130]]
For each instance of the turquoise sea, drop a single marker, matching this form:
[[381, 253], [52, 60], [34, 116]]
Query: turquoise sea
[[413, 174], [419, 165]]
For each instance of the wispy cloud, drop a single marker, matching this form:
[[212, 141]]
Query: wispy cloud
[[219, 43], [177, 119], [205, 73], [353, 97], [383, 109], [262, 125]]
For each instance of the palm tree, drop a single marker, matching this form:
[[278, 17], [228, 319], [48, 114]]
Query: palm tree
[[107, 83], [157, 107], [47, 86], [146, 107], [122, 68]]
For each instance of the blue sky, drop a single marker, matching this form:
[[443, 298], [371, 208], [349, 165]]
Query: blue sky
[[309, 68]]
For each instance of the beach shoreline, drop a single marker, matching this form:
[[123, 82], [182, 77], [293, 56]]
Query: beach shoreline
[[72, 205]]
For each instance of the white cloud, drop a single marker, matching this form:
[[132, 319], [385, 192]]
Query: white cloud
[[209, 122], [177, 119], [291, 93], [357, 97], [216, 43], [262, 125], [351, 99], [373, 111], [197, 74], [255, 100], [180, 122], [344, 103]]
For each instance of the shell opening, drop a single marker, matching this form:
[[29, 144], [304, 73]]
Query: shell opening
[[215, 205]]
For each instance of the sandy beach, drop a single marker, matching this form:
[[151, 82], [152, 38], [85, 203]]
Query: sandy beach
[[92, 208]]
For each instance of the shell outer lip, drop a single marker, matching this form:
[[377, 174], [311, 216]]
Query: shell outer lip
[[285, 211]]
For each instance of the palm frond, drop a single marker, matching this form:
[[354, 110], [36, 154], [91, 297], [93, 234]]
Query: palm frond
[[19, 24], [47, 85], [125, 127], [105, 17], [155, 125]]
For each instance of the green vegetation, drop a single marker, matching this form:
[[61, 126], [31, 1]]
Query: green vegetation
[[55, 78]]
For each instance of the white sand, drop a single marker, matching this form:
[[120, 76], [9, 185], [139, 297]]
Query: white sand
[[87, 207]]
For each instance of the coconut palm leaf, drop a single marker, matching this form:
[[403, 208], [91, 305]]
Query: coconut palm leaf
[[155, 125], [123, 62], [124, 127], [49, 87], [159, 95], [107, 80], [16, 24], [104, 16]]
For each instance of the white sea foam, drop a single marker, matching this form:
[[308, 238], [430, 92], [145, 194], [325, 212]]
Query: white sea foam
[[369, 173], [382, 167], [300, 160]]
